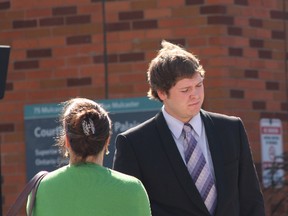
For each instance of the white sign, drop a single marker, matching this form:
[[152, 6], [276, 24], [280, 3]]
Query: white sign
[[272, 152]]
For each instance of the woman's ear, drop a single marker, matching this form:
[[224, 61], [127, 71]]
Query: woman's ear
[[67, 142], [106, 146], [67, 145]]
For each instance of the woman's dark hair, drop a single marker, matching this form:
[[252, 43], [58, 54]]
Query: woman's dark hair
[[87, 126], [170, 65]]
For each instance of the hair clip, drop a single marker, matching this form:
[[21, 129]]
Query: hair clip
[[88, 126]]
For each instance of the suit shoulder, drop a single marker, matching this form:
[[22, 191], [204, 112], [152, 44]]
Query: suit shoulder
[[220, 116], [222, 122], [144, 126]]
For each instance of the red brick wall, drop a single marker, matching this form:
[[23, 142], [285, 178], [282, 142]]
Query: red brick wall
[[57, 53]]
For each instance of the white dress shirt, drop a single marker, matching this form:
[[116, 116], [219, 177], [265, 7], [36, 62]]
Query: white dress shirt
[[176, 128]]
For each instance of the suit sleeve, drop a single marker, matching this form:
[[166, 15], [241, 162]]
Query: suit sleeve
[[125, 160], [250, 195]]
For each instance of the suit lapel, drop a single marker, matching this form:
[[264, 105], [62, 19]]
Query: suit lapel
[[216, 150], [176, 162]]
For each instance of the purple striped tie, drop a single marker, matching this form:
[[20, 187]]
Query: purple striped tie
[[199, 169]]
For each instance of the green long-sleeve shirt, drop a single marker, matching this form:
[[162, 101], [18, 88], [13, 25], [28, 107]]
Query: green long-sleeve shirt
[[90, 190]]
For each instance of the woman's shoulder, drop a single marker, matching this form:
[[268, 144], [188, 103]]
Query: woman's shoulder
[[125, 180], [52, 175], [119, 176], [129, 186]]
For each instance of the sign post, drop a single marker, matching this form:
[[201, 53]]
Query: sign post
[[272, 152]]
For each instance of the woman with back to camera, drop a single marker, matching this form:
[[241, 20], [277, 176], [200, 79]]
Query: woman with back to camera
[[84, 187]]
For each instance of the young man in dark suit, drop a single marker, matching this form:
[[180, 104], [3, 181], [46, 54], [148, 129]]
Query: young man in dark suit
[[191, 162]]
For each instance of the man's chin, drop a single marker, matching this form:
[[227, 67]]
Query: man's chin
[[192, 114]]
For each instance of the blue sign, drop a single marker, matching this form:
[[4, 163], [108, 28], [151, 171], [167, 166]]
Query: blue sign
[[42, 127]]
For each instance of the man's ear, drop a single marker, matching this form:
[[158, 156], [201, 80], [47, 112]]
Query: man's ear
[[162, 95]]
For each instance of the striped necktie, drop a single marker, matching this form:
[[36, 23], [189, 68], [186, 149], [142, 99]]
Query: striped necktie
[[199, 169]]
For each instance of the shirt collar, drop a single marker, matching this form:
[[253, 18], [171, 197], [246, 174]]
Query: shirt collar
[[176, 126], [196, 123]]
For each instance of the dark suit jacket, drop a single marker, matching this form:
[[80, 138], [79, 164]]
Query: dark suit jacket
[[149, 153]]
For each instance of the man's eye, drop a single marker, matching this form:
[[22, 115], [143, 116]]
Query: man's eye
[[199, 84], [184, 90]]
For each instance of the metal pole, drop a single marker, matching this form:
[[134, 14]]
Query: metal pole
[[105, 50], [285, 48]]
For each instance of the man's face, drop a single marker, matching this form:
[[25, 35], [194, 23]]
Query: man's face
[[185, 99]]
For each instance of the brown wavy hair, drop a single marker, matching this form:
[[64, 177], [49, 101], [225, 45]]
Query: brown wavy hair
[[171, 64], [77, 112]]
